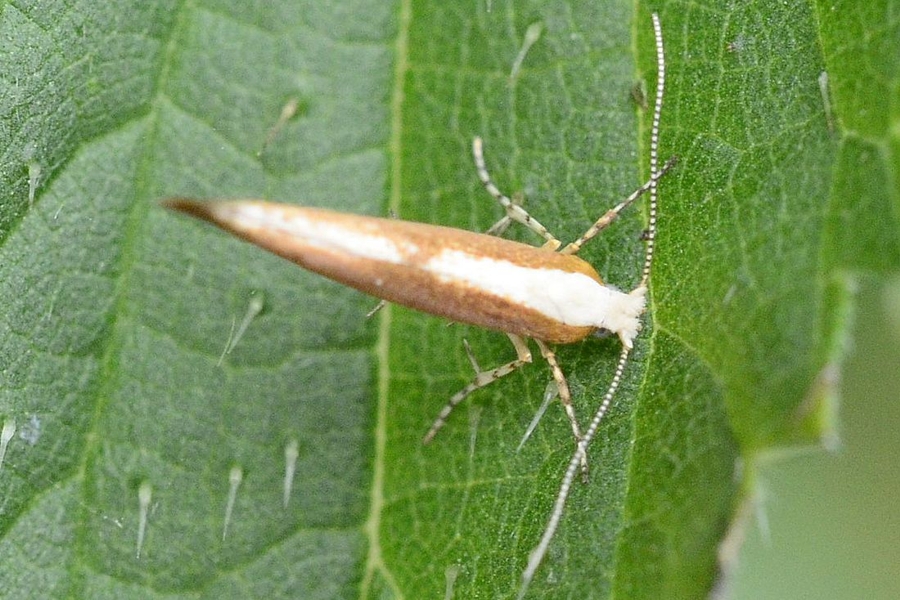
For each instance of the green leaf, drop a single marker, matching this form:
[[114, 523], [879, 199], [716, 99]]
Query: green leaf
[[117, 313]]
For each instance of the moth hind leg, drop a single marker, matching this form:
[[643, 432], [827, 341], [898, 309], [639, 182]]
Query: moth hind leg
[[381, 304], [514, 210], [482, 379]]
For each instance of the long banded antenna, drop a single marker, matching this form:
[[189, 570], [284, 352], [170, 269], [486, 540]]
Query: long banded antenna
[[654, 148], [539, 551]]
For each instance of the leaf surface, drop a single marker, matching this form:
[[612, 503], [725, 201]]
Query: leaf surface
[[118, 314]]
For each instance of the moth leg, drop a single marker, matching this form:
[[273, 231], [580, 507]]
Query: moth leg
[[482, 378], [500, 227], [565, 397], [514, 211], [610, 215], [381, 304]]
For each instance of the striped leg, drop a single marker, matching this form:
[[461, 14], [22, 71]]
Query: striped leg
[[609, 216], [565, 397], [482, 378], [381, 304], [500, 227], [514, 211]]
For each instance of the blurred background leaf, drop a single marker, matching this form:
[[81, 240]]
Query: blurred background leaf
[[117, 317]]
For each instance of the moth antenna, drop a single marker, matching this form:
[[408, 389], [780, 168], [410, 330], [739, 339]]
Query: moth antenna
[[537, 555], [654, 149], [565, 488]]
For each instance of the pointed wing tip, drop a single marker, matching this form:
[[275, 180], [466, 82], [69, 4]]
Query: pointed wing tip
[[217, 212], [194, 208], [235, 216]]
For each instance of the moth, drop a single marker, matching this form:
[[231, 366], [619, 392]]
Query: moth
[[544, 293]]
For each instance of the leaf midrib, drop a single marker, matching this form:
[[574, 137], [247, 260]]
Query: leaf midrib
[[375, 559]]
